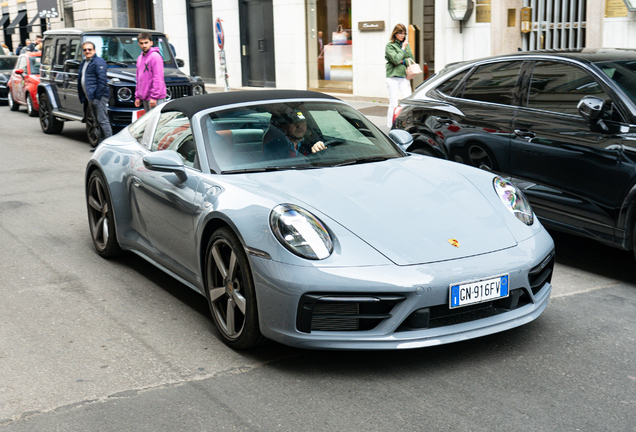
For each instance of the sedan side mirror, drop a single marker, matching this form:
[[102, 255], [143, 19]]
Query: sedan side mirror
[[180, 63], [401, 138], [591, 108], [166, 161], [19, 71]]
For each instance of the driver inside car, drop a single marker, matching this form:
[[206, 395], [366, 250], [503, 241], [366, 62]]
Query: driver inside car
[[286, 138]]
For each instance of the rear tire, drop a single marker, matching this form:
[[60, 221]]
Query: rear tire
[[30, 110], [12, 105], [48, 122]]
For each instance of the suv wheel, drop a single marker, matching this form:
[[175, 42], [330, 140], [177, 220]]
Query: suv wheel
[[48, 122], [12, 105]]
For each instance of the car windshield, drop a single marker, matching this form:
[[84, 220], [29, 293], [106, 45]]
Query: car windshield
[[124, 49], [623, 73], [283, 136], [35, 65], [7, 63]]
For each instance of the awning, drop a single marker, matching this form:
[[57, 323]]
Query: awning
[[3, 20], [16, 22], [30, 25]]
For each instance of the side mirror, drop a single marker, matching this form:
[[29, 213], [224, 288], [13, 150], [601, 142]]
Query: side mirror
[[166, 161], [591, 108], [71, 64], [180, 63], [19, 71], [401, 138]]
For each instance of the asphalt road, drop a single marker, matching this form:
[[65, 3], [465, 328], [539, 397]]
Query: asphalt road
[[90, 344]]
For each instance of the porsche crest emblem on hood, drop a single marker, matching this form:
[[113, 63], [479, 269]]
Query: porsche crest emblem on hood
[[454, 242]]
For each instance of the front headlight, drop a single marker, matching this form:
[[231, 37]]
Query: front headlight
[[124, 94], [514, 200], [197, 90], [301, 232]]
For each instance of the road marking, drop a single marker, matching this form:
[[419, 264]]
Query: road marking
[[571, 293]]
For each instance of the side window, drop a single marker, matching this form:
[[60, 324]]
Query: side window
[[74, 50], [138, 128], [448, 86], [61, 53], [174, 133], [494, 82], [559, 87], [47, 52], [22, 63]]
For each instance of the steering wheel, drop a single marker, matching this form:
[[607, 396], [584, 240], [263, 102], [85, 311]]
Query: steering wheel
[[334, 142]]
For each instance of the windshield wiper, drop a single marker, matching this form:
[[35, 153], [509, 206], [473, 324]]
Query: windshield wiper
[[363, 160], [269, 168], [116, 63]]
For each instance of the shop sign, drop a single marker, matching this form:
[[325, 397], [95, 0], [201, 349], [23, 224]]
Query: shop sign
[[370, 25], [482, 11], [615, 9]]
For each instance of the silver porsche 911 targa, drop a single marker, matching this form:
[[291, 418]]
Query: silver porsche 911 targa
[[301, 222]]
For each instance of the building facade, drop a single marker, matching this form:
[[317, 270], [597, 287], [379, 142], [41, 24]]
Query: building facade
[[335, 45]]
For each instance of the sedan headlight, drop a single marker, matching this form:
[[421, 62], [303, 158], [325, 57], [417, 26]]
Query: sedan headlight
[[301, 232], [124, 94], [197, 90], [514, 200]]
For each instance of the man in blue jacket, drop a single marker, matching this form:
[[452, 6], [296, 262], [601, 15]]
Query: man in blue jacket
[[93, 87]]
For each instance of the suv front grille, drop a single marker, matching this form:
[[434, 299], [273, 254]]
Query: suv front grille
[[178, 91]]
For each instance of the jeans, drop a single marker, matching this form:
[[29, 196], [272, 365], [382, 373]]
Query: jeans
[[100, 109], [396, 85], [146, 104]]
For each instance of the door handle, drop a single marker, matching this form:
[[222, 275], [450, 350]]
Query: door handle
[[136, 181], [261, 45], [444, 120], [523, 133]]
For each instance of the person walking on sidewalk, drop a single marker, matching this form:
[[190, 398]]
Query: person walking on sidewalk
[[151, 87], [396, 53], [93, 87]]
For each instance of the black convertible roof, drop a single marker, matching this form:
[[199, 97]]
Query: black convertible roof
[[193, 104]]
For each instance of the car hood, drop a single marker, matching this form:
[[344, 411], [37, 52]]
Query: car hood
[[171, 75], [412, 213]]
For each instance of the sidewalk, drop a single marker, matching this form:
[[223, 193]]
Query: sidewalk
[[373, 108]]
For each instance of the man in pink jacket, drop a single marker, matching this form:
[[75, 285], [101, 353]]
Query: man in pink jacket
[[151, 88]]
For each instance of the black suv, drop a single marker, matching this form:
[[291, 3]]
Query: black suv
[[61, 57], [561, 125]]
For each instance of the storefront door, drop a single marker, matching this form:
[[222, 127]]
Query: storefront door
[[257, 43], [202, 39]]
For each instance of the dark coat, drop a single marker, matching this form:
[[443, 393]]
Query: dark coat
[[96, 80]]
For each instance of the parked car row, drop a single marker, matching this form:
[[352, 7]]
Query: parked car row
[[560, 125], [46, 82]]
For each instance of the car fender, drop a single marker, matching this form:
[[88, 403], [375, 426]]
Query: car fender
[[50, 92]]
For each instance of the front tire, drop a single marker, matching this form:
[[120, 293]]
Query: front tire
[[30, 110], [48, 122], [100, 216], [12, 105], [230, 291]]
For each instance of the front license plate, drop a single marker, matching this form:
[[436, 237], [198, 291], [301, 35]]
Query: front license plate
[[479, 291]]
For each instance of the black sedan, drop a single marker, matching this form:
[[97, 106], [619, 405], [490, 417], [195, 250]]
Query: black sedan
[[7, 64], [561, 125]]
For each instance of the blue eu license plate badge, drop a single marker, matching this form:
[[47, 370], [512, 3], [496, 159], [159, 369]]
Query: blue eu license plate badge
[[480, 291]]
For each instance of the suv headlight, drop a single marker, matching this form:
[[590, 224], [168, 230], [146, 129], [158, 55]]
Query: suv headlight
[[301, 232], [514, 200], [124, 94], [197, 90]]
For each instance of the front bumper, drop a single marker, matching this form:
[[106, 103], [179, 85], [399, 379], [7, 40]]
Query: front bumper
[[280, 288], [4, 93]]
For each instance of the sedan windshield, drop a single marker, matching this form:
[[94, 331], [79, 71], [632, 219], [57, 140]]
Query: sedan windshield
[[294, 135], [124, 50], [623, 73]]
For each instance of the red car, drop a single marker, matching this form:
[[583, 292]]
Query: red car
[[23, 83]]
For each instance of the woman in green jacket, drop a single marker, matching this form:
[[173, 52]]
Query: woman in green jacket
[[396, 53]]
